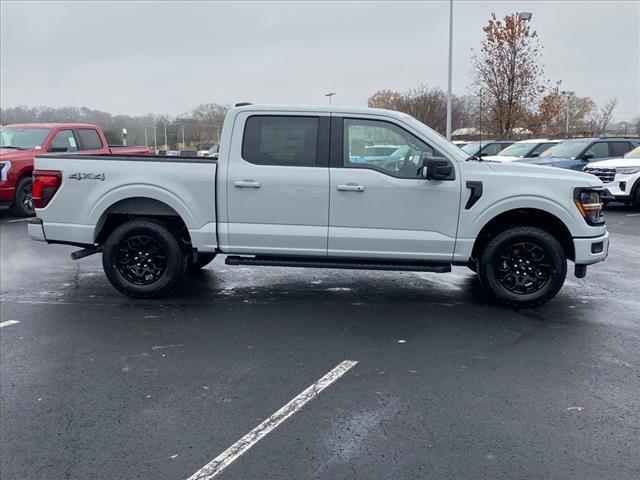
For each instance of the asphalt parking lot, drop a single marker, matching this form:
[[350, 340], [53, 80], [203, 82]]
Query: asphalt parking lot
[[95, 385]]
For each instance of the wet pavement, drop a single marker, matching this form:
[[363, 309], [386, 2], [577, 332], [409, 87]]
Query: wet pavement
[[96, 385]]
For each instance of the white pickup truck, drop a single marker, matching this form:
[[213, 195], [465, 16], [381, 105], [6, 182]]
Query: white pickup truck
[[297, 187]]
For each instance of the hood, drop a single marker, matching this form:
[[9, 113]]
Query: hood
[[500, 158], [12, 153], [616, 162], [542, 172]]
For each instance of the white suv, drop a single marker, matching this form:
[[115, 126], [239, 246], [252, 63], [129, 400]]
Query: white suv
[[621, 176]]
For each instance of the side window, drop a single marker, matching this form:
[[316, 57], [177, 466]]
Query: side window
[[64, 141], [491, 149], [384, 147], [598, 150], [89, 139], [279, 140], [618, 149], [540, 148]]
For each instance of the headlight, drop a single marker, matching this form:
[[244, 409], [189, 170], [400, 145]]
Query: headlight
[[627, 170], [5, 165], [589, 203]]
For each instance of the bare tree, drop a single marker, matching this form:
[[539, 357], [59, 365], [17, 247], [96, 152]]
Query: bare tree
[[506, 74], [599, 119]]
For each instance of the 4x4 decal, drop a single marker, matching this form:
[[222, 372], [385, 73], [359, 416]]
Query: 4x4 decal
[[87, 176]]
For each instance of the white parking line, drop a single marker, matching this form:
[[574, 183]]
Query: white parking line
[[8, 322], [632, 215], [226, 458], [18, 220]]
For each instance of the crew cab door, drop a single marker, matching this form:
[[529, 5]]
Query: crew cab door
[[380, 207], [278, 184]]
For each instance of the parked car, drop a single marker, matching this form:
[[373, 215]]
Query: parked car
[[621, 177], [188, 153], [486, 147], [522, 149], [19, 143], [576, 153], [284, 192]]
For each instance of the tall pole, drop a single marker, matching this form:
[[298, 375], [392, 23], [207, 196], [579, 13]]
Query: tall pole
[[166, 144], [146, 141], [450, 68], [183, 145], [330, 94], [155, 139], [480, 111]]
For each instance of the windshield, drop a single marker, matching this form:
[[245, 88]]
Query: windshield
[[517, 150], [566, 149], [635, 153], [22, 138], [471, 148]]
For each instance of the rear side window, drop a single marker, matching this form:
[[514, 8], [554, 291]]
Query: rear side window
[[492, 149], [540, 148], [64, 141], [279, 140], [598, 150], [618, 149], [89, 139]]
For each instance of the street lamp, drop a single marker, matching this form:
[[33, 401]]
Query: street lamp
[[568, 94], [330, 94], [525, 15]]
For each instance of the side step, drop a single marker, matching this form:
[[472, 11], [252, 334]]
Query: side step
[[348, 263]]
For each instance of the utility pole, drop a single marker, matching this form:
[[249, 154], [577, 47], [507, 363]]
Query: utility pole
[[155, 140], [449, 99], [183, 145], [146, 141], [568, 94]]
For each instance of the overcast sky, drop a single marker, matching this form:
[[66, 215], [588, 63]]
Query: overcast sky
[[167, 57]]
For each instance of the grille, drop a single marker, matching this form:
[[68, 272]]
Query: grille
[[605, 174]]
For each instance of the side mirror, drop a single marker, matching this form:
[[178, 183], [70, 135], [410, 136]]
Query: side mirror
[[57, 149], [436, 168], [587, 156]]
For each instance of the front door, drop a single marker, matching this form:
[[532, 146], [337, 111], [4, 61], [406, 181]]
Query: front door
[[379, 206], [278, 185]]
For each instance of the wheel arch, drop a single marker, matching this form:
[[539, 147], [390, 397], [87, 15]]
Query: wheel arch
[[139, 207], [533, 217]]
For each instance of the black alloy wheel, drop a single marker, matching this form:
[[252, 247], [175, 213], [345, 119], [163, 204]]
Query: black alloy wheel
[[524, 268]]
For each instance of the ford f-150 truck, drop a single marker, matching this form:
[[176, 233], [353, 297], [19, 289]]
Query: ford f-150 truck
[[286, 191], [19, 143]]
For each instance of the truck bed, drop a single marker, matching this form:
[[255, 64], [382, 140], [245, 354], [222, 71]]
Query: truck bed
[[94, 186]]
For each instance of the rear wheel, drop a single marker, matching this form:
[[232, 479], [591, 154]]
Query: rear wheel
[[204, 259], [143, 259], [523, 267], [22, 205], [636, 197]]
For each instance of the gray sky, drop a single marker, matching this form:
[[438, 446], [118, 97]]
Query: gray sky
[[167, 57]]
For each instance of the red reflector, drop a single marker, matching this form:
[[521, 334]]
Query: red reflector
[[44, 186]]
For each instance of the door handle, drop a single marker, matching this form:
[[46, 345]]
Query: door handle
[[247, 184], [351, 187]]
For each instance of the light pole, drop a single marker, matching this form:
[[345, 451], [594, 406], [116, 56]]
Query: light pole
[[568, 94], [330, 94], [183, 146], [155, 140], [166, 145], [449, 100], [146, 140]]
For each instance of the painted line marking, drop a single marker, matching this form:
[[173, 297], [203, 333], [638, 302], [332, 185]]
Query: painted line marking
[[632, 215], [18, 220], [8, 323], [231, 454]]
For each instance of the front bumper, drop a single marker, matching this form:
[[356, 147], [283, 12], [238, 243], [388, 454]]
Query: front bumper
[[36, 229], [591, 250]]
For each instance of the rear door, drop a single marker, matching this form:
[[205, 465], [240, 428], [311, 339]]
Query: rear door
[[89, 140], [278, 184], [380, 207]]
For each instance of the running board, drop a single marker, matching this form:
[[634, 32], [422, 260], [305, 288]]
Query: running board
[[348, 263]]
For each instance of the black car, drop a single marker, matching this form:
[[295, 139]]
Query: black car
[[486, 147], [576, 153]]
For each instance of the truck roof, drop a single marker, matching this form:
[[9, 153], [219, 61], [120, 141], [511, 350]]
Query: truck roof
[[51, 125], [321, 108]]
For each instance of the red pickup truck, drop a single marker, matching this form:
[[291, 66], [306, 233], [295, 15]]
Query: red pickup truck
[[19, 143]]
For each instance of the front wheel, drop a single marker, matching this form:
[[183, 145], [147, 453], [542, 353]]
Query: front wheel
[[143, 259], [636, 198], [523, 267]]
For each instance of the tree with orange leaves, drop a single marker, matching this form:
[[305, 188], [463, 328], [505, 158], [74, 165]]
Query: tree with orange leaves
[[507, 75]]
